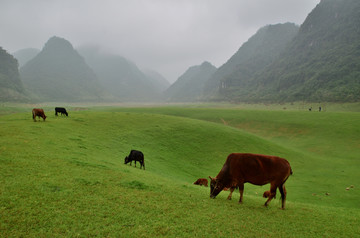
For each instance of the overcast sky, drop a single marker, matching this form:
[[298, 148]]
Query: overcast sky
[[168, 36]]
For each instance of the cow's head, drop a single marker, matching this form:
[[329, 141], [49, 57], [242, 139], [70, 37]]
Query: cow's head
[[215, 187], [44, 117], [126, 160]]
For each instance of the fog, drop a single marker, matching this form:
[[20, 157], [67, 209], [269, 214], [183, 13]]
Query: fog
[[164, 35]]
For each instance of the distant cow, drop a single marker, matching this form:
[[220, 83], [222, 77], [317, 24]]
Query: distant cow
[[256, 169], [60, 110], [136, 156], [38, 112], [201, 181]]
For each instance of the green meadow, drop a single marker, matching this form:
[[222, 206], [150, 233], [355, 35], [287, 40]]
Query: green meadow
[[66, 177]]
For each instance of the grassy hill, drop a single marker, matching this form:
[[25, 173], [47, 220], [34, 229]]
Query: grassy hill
[[66, 177]]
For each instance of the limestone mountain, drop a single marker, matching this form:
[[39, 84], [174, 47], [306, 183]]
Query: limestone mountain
[[59, 73], [24, 55], [11, 87], [157, 79], [252, 57], [120, 76], [322, 62], [190, 85]]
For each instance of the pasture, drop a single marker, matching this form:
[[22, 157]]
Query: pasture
[[67, 177]]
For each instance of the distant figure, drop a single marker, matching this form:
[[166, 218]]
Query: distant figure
[[136, 156], [319, 109], [61, 110], [310, 109], [38, 112], [201, 181]]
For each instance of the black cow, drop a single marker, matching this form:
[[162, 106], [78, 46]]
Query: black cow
[[136, 156], [60, 110]]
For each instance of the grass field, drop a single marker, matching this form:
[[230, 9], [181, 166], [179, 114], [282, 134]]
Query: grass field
[[65, 177]]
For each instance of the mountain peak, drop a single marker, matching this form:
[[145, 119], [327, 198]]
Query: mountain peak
[[58, 44]]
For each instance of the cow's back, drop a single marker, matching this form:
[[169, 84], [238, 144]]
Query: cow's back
[[257, 169]]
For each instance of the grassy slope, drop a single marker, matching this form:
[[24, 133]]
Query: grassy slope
[[323, 148], [66, 177]]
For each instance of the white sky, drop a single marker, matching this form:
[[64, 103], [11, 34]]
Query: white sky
[[168, 36]]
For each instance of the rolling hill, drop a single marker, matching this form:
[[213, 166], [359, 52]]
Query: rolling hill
[[76, 183]]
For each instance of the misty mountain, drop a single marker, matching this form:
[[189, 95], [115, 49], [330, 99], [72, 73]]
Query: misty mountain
[[322, 62], [11, 87], [190, 85], [24, 55], [251, 58], [59, 73], [120, 76], [157, 79]]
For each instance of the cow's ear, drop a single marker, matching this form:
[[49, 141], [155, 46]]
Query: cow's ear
[[211, 178]]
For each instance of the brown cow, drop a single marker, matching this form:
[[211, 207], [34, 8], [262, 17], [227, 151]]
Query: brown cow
[[256, 169], [201, 181], [38, 112]]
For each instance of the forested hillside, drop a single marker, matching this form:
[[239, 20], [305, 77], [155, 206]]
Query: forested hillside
[[11, 88], [59, 73], [189, 86], [320, 64], [252, 57]]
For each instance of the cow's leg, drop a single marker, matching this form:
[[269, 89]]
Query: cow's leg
[[241, 190], [34, 117], [142, 164], [231, 191], [272, 194], [282, 190], [135, 163]]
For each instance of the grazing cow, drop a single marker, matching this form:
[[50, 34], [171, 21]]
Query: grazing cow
[[38, 112], [256, 169], [60, 110], [201, 181], [136, 156]]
